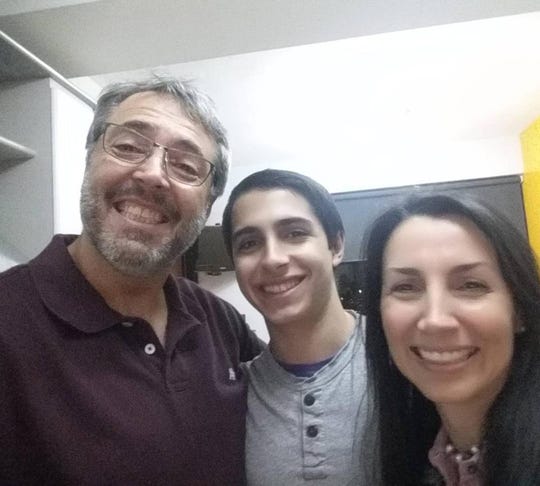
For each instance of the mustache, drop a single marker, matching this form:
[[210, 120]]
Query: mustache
[[130, 188]]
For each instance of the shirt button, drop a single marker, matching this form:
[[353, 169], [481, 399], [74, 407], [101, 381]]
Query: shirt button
[[127, 324], [312, 431], [309, 400], [150, 348]]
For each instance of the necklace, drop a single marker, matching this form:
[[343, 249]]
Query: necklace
[[460, 456]]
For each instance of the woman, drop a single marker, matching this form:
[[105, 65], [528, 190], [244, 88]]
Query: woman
[[453, 346]]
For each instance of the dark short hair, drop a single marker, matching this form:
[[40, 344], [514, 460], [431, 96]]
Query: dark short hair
[[198, 107], [317, 196], [407, 421]]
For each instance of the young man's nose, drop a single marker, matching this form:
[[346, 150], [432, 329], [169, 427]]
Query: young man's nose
[[274, 253]]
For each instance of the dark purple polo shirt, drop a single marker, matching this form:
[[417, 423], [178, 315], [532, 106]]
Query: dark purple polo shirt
[[90, 397]]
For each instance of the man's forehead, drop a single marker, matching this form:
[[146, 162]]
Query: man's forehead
[[150, 103]]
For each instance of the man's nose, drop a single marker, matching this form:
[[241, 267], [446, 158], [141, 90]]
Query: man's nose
[[152, 171]]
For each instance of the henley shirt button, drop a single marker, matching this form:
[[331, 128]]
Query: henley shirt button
[[127, 324], [312, 431], [309, 400], [150, 348]]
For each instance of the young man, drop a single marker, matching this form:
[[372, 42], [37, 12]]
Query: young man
[[306, 399], [111, 370]]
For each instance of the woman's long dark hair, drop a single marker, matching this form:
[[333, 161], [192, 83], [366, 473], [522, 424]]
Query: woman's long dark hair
[[405, 422]]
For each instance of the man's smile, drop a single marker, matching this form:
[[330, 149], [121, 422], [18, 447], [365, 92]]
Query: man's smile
[[140, 214]]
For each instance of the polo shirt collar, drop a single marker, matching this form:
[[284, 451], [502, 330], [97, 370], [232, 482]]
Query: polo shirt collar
[[66, 293]]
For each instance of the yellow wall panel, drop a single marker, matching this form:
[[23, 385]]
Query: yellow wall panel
[[530, 145]]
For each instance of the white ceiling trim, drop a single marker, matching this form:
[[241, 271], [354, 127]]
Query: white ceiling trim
[[13, 7]]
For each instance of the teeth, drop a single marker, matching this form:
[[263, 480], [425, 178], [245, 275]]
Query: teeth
[[281, 287], [444, 356], [140, 214]]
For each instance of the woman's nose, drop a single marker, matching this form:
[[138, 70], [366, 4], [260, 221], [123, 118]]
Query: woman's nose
[[437, 312]]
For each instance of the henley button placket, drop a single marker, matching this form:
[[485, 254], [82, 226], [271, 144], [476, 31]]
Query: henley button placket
[[314, 447]]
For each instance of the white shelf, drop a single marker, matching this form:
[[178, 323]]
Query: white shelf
[[11, 152], [19, 64]]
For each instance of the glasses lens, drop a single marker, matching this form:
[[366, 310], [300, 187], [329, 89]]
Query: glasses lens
[[188, 168], [125, 144]]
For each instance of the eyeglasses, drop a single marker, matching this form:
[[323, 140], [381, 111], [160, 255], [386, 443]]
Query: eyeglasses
[[130, 148]]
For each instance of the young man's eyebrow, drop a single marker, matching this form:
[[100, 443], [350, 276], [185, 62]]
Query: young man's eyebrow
[[277, 224], [246, 230], [293, 220], [404, 270]]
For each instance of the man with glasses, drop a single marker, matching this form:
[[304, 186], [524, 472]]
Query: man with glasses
[[111, 370]]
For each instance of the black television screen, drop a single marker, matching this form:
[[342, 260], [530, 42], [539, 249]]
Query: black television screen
[[350, 284], [210, 253]]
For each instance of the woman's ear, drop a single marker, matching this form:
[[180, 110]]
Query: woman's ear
[[337, 247], [517, 321], [519, 327]]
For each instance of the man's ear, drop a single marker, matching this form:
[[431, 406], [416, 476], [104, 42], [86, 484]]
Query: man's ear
[[337, 247], [209, 205]]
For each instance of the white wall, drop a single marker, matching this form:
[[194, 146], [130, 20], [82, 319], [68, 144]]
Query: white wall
[[8, 256], [226, 287], [6, 263], [70, 121]]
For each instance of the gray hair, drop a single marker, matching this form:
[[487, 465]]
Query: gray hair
[[198, 107]]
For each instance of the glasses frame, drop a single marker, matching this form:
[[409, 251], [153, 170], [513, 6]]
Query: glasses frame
[[164, 158]]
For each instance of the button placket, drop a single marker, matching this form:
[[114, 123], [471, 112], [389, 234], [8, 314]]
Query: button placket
[[140, 338], [312, 434]]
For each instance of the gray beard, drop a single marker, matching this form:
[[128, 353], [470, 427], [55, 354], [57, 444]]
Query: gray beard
[[131, 253]]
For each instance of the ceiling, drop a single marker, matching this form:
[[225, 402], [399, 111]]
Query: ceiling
[[82, 38], [321, 79]]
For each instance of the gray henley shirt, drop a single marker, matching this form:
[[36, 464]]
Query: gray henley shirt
[[307, 430]]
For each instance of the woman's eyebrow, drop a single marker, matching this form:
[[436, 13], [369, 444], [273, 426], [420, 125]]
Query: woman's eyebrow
[[463, 267]]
